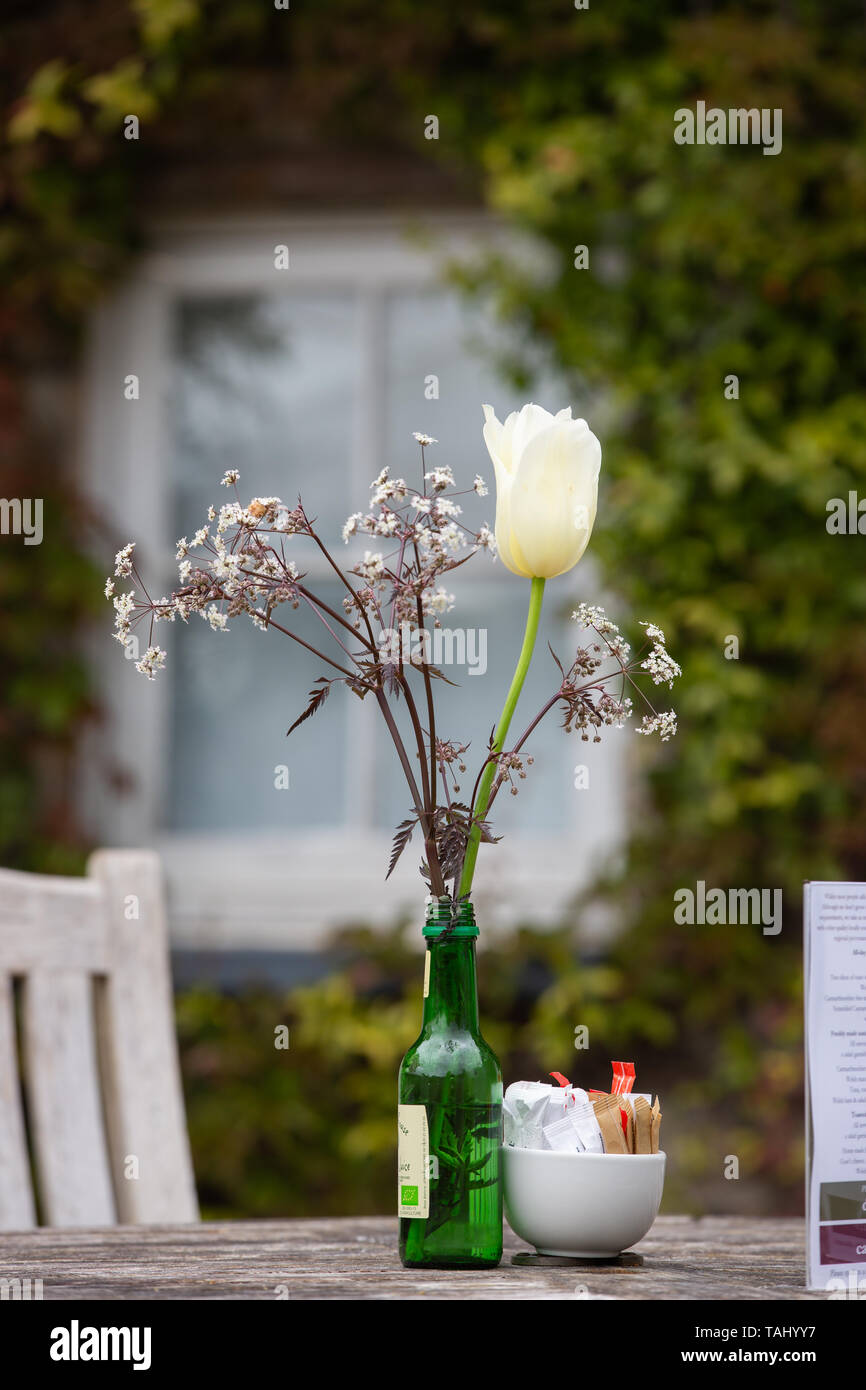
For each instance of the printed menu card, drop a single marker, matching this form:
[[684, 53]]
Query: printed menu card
[[834, 918]]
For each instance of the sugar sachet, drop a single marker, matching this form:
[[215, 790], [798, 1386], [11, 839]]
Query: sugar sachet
[[562, 1135]]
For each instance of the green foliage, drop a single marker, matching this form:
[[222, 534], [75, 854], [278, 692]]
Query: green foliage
[[707, 261], [704, 262], [311, 1130], [49, 591]]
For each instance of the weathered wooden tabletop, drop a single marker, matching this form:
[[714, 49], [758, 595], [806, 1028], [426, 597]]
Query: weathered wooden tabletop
[[684, 1258]]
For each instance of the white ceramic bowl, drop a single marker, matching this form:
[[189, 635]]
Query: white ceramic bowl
[[590, 1205]]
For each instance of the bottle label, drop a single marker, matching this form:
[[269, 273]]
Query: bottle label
[[413, 1144], [426, 973]]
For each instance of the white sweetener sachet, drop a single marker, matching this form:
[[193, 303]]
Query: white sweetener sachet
[[509, 1124], [562, 1135], [561, 1100], [583, 1120], [523, 1119], [528, 1091], [525, 1096]]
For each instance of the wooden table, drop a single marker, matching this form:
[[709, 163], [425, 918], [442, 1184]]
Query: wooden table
[[684, 1258]]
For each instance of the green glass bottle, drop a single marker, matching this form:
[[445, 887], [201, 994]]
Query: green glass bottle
[[449, 1188]]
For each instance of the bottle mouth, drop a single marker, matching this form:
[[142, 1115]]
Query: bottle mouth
[[446, 921]]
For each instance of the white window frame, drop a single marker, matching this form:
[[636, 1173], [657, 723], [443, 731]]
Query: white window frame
[[287, 890]]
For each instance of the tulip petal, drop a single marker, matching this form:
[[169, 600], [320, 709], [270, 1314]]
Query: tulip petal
[[530, 422], [495, 439], [553, 497], [504, 536]]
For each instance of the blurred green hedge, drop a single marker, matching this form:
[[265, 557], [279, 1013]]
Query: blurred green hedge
[[703, 262], [311, 1130]]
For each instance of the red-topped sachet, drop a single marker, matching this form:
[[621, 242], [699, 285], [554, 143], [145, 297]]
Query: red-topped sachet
[[558, 1076], [623, 1078]]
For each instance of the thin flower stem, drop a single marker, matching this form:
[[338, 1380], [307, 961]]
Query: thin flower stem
[[437, 884], [428, 686], [599, 682], [312, 603], [641, 692], [340, 575], [445, 785], [427, 822], [399, 572], [338, 618], [318, 603], [545, 709], [536, 597], [355, 679]]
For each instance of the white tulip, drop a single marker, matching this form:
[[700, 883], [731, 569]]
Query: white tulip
[[547, 470]]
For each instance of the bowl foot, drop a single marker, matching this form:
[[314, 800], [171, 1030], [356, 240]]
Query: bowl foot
[[559, 1259]]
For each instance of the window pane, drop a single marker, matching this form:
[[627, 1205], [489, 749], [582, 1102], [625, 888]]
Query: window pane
[[268, 386], [434, 333], [234, 696]]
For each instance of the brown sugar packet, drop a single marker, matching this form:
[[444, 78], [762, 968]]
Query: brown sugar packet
[[607, 1112], [656, 1125], [643, 1125], [628, 1134]]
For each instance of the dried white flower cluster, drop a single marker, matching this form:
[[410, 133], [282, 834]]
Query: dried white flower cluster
[[665, 725], [428, 540], [660, 664], [509, 766], [242, 569], [236, 563], [591, 705]]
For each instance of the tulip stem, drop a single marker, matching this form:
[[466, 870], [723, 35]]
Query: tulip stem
[[536, 596]]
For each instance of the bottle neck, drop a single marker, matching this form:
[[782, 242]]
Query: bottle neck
[[452, 990]]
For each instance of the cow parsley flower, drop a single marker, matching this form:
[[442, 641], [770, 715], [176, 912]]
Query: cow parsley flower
[[440, 478], [216, 618], [437, 601], [661, 666], [665, 725], [123, 561], [152, 661]]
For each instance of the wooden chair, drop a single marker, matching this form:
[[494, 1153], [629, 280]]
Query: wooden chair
[[103, 1107]]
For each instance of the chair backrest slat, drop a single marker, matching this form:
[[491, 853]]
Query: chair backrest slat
[[50, 922], [104, 1100], [144, 1100], [63, 1098], [17, 1209]]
